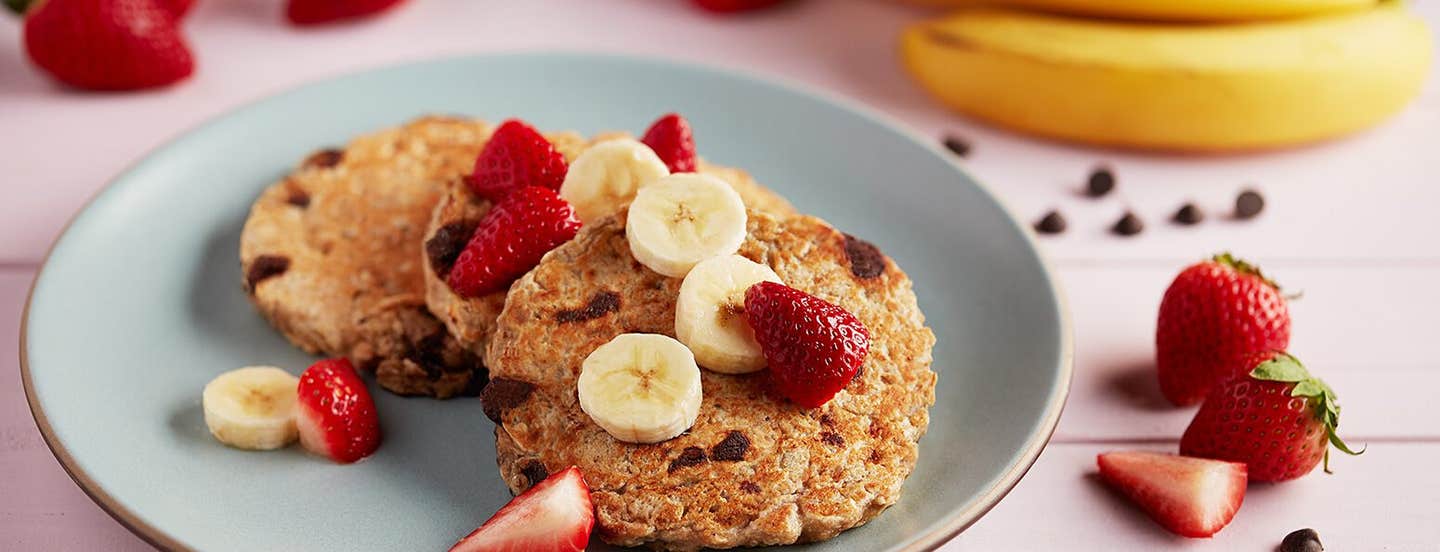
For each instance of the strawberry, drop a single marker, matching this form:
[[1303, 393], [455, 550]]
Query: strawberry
[[1191, 497], [672, 140], [554, 515], [1277, 419], [178, 8], [108, 44], [336, 416], [813, 348], [734, 6], [1215, 314], [316, 12], [515, 157], [510, 240]]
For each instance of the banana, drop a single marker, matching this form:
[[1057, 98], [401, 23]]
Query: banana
[[682, 219], [641, 388], [605, 176], [709, 314], [1171, 10], [252, 408], [1173, 87]]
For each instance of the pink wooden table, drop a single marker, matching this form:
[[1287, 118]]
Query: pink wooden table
[[1353, 223]]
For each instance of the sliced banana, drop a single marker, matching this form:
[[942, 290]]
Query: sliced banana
[[252, 408], [710, 313], [641, 388], [606, 175], [682, 219]]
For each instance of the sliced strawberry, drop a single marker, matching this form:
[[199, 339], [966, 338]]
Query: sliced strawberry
[[318, 12], [1191, 497], [108, 44], [336, 416], [553, 516], [511, 239], [734, 6], [812, 347], [1277, 419], [516, 156], [672, 140]]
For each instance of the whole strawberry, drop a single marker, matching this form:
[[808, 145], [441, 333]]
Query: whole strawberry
[[516, 156], [317, 12], [108, 44], [1277, 419], [813, 348], [336, 415], [672, 140], [1214, 316], [511, 239]]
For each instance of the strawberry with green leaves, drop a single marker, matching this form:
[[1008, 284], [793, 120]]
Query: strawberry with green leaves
[[1277, 419], [1213, 317]]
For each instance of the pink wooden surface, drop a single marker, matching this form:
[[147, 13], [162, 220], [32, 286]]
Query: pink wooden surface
[[1350, 222]]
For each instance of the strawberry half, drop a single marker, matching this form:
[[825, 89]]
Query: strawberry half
[[511, 239], [813, 348], [1214, 316], [516, 156], [1191, 497], [318, 12], [671, 138], [108, 44], [1278, 419], [336, 416], [554, 515]]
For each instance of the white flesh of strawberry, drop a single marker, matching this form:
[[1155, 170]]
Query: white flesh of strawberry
[[554, 515]]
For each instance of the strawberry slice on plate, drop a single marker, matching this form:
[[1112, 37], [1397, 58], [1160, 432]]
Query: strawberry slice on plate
[[336, 415], [553, 516], [516, 156], [813, 347], [511, 239], [1191, 497], [671, 138]]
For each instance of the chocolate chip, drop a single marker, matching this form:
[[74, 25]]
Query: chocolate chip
[[826, 420], [429, 354], [447, 243], [957, 146], [732, 448], [876, 430], [324, 159], [1052, 223], [1101, 182], [534, 472], [502, 394], [1188, 214], [1302, 540], [264, 267], [298, 197], [602, 303], [832, 439], [1128, 225], [749, 487], [875, 456], [1249, 204], [689, 457], [866, 260]]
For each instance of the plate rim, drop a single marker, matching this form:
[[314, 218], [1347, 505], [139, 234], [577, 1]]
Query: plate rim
[[946, 530]]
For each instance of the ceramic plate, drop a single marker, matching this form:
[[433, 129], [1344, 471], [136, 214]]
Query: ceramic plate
[[139, 305]]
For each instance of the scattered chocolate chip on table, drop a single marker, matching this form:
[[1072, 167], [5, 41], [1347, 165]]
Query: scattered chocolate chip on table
[[1052, 223], [957, 146], [1302, 540], [1128, 225], [1249, 204], [1188, 214], [1101, 182]]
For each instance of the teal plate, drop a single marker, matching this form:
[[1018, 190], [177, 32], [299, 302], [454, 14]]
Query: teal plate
[[139, 305]]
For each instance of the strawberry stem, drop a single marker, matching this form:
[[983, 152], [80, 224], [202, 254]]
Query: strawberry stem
[[17, 6], [1240, 265], [1286, 368]]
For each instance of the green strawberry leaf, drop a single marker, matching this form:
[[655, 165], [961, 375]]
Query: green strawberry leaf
[[1282, 368], [1287, 369], [17, 6], [1239, 265]]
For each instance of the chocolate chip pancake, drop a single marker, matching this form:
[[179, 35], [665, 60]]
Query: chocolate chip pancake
[[754, 469], [331, 255]]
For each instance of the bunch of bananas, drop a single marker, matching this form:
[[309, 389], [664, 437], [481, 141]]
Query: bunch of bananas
[[1177, 75]]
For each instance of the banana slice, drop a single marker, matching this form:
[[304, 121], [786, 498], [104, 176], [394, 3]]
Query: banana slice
[[710, 313], [252, 408], [606, 175], [682, 219], [641, 388]]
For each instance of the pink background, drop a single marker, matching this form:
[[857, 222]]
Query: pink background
[[1353, 223]]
